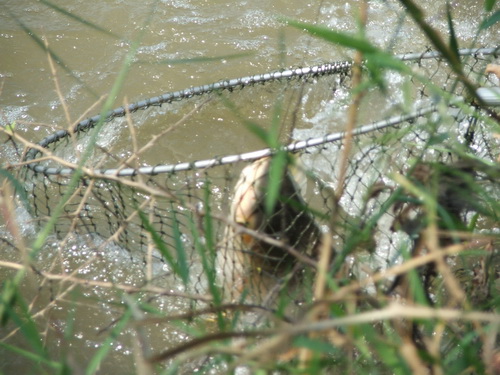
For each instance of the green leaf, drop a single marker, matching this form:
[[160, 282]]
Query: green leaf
[[417, 288], [489, 4], [10, 128], [21, 316], [200, 59], [317, 346], [18, 188], [389, 355], [80, 19], [182, 264], [52, 54], [383, 60], [257, 130], [105, 347], [374, 56], [160, 244], [31, 356], [343, 39], [447, 51], [490, 21], [274, 132], [7, 299], [453, 38], [277, 170], [206, 252], [210, 236], [252, 126], [437, 139], [92, 140], [473, 223]]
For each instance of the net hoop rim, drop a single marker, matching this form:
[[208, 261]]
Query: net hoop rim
[[316, 70], [247, 156]]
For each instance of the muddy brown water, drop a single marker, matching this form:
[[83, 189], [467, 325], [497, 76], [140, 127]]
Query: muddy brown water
[[239, 38]]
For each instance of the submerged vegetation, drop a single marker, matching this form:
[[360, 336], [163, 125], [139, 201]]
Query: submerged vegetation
[[389, 266]]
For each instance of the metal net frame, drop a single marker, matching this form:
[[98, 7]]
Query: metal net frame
[[184, 224]]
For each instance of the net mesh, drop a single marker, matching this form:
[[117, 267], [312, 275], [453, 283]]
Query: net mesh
[[248, 226]]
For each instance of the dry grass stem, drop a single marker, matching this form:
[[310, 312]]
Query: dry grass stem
[[109, 285], [55, 78], [7, 210], [409, 265], [352, 115], [396, 310], [431, 239], [320, 311]]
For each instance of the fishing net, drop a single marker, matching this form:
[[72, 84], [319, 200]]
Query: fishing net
[[248, 224]]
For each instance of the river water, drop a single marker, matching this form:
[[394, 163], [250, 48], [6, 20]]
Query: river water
[[183, 43]]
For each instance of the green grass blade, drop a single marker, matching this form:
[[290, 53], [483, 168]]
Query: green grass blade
[[257, 130], [435, 38], [207, 252], [279, 162], [9, 293], [59, 61], [105, 347], [182, 264], [316, 345], [453, 38], [386, 61], [44, 233], [159, 243], [419, 17], [32, 356], [201, 59], [274, 133], [489, 4], [26, 325], [342, 39], [207, 262], [374, 56], [94, 134], [277, 170], [18, 188], [490, 21], [83, 21], [252, 126], [208, 226]]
